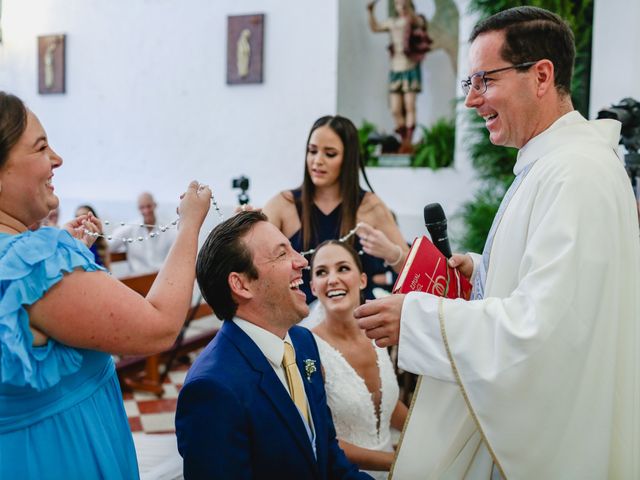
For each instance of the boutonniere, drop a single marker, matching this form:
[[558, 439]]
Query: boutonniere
[[309, 368]]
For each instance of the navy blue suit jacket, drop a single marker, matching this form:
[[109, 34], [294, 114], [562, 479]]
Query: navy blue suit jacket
[[236, 420]]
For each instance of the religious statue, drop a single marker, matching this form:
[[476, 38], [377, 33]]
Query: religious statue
[[409, 44], [49, 72], [243, 53]]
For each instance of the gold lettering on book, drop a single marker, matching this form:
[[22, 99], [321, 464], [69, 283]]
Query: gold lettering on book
[[415, 285], [437, 283]]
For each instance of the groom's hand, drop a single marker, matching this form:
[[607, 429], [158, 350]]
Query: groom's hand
[[380, 319]]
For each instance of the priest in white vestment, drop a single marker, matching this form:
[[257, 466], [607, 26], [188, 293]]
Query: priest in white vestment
[[537, 378]]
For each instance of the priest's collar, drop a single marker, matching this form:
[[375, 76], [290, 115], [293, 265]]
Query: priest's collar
[[538, 145]]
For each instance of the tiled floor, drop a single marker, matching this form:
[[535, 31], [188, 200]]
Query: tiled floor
[[150, 414], [152, 422]]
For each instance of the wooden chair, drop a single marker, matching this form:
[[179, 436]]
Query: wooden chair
[[143, 373], [118, 264], [118, 256]]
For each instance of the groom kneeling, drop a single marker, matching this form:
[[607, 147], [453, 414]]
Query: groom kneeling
[[253, 404]]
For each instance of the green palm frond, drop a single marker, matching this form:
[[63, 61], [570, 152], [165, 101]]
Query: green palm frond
[[437, 147]]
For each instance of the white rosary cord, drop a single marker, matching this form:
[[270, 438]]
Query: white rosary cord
[[163, 228], [159, 229], [349, 234]]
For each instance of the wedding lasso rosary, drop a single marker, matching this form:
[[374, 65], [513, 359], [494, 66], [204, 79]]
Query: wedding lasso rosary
[[349, 234], [159, 229], [163, 228]]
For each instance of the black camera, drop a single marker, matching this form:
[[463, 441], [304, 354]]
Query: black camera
[[242, 183], [388, 143], [627, 112]]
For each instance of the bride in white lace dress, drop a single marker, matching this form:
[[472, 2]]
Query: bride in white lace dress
[[362, 390]]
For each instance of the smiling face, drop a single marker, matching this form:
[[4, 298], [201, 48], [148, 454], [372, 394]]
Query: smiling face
[[324, 157], [509, 106], [276, 291], [336, 279], [26, 178]]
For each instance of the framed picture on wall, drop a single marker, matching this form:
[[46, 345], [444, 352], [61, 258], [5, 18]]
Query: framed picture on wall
[[51, 64], [245, 39]]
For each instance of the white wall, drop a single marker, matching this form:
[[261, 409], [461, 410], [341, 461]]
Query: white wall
[[615, 67], [147, 105]]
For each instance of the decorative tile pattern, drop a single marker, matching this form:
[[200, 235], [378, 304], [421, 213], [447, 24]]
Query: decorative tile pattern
[[150, 414]]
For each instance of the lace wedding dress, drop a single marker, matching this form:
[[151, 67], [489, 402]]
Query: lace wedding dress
[[351, 405]]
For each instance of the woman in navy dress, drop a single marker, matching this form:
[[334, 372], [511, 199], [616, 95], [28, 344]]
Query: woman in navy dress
[[61, 315], [330, 202]]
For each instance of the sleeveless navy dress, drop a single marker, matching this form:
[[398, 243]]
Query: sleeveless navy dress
[[327, 227]]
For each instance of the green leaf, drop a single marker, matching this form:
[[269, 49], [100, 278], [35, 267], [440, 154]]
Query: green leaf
[[437, 147]]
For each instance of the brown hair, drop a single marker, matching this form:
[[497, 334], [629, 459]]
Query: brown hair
[[13, 123], [533, 34], [223, 252], [352, 164]]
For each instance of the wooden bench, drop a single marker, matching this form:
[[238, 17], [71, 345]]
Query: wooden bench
[[118, 256], [143, 372]]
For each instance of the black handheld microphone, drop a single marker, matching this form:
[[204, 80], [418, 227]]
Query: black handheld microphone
[[436, 223]]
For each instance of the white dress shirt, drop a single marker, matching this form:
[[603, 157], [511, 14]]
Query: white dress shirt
[[272, 347], [146, 256]]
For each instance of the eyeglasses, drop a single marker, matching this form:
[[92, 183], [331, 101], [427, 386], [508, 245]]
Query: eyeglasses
[[478, 80]]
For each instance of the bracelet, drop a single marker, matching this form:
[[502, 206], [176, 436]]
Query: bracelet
[[389, 264]]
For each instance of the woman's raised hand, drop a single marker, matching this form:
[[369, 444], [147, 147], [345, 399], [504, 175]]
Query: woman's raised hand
[[194, 204], [377, 244], [79, 225]]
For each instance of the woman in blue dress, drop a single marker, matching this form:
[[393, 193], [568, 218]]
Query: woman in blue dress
[[330, 202], [61, 410]]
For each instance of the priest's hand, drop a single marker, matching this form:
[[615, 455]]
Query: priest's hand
[[380, 319], [463, 262]]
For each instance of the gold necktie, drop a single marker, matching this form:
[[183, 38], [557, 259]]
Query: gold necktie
[[296, 390]]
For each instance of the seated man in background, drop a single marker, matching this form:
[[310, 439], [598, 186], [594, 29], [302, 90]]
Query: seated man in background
[[149, 255], [254, 404]]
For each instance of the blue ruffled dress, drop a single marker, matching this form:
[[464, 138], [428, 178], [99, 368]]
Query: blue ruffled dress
[[61, 410]]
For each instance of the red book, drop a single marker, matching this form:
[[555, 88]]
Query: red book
[[426, 270]]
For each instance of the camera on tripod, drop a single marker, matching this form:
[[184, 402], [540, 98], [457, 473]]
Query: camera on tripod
[[242, 183], [627, 112]]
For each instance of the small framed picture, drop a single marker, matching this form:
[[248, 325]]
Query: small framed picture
[[51, 64], [245, 39]]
